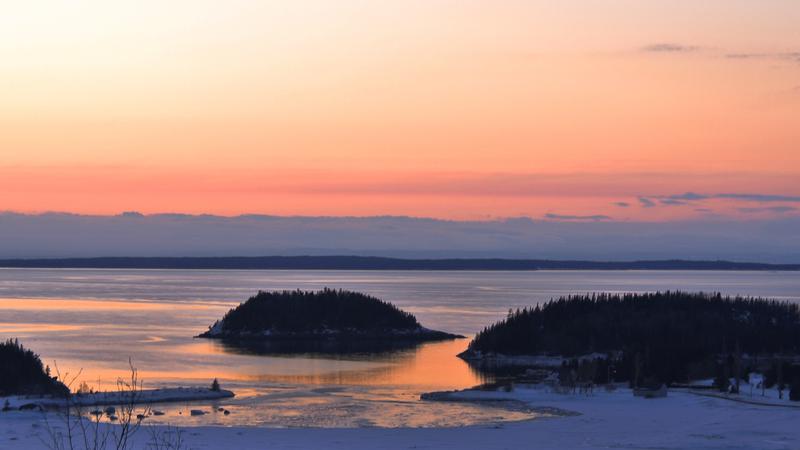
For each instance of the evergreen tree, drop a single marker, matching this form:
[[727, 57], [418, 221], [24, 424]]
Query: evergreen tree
[[668, 330], [22, 372], [328, 309]]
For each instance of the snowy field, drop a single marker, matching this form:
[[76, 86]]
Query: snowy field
[[615, 419]]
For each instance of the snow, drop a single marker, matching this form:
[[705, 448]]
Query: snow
[[216, 329], [753, 394], [146, 396], [420, 333], [542, 361], [605, 419]]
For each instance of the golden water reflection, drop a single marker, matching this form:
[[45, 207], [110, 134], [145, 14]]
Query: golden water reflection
[[15, 328], [57, 304], [93, 340]]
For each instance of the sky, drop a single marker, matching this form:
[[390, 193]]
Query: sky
[[569, 111]]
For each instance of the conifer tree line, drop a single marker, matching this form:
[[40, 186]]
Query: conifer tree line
[[665, 336], [298, 311], [22, 372]]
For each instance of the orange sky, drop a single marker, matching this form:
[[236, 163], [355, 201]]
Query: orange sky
[[455, 109]]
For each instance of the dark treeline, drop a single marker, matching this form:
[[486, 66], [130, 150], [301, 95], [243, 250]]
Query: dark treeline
[[378, 263], [306, 311], [22, 372], [667, 336]]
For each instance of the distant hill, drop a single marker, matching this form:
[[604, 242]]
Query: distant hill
[[380, 263], [667, 332], [327, 314]]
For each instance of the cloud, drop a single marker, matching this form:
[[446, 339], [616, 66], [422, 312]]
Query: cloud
[[681, 199], [671, 47], [772, 209], [690, 196], [672, 202], [571, 217], [622, 204], [781, 56], [760, 197], [667, 47], [744, 55], [646, 202], [687, 197]]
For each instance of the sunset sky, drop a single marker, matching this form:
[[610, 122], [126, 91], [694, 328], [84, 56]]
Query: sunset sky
[[570, 110]]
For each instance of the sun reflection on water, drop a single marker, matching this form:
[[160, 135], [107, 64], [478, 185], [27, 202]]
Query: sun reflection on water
[[93, 339]]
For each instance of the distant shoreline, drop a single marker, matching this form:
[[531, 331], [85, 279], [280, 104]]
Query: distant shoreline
[[380, 263]]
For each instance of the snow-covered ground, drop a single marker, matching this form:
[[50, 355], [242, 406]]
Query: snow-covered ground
[[615, 419], [145, 396]]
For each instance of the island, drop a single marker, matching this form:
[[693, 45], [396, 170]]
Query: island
[[648, 339], [325, 315]]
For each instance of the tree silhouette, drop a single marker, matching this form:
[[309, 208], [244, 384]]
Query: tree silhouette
[[670, 331]]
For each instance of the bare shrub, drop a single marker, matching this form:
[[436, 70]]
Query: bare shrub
[[76, 429]]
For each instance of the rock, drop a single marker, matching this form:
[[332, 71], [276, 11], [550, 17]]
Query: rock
[[140, 416], [158, 413], [110, 410], [197, 412], [226, 412], [31, 407]]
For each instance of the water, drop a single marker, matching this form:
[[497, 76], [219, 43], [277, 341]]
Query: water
[[89, 322]]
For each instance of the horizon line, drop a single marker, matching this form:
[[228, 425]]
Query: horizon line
[[380, 263]]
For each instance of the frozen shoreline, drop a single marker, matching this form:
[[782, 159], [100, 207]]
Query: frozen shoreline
[[144, 397], [614, 419]]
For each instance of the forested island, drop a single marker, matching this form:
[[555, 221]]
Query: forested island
[[22, 372], [328, 314], [665, 337]]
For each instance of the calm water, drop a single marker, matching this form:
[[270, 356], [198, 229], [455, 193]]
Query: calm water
[[94, 320]]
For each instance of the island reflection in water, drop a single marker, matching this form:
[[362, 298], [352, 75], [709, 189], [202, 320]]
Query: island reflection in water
[[354, 389], [360, 385], [366, 389], [408, 363], [94, 320]]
